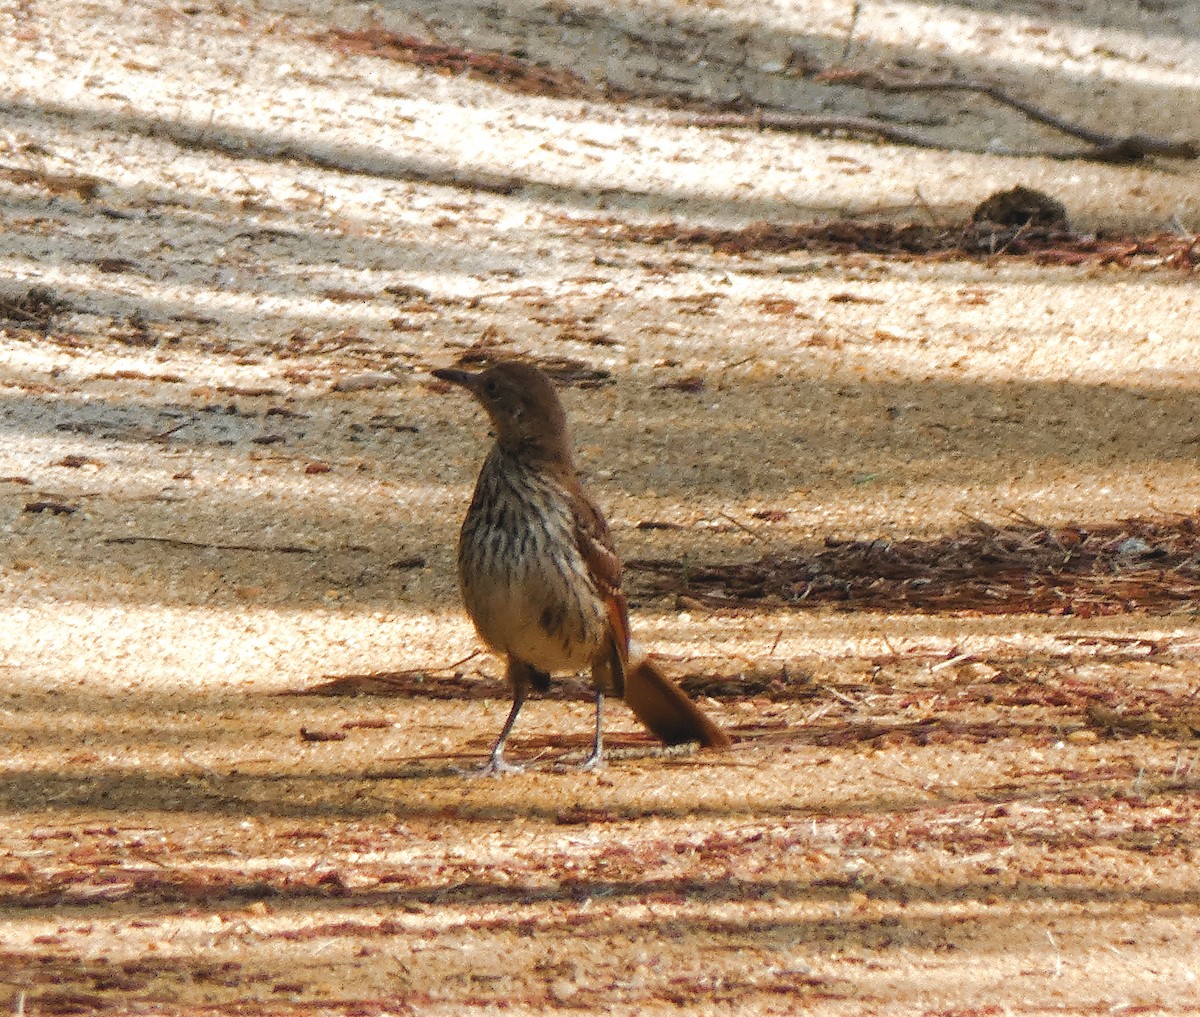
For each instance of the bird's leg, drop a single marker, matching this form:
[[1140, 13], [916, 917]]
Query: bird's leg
[[608, 676], [596, 759], [518, 677], [496, 763]]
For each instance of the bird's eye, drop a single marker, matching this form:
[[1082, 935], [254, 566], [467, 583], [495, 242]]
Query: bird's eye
[[491, 387]]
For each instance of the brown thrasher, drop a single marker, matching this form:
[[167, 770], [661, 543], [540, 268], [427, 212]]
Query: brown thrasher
[[539, 574]]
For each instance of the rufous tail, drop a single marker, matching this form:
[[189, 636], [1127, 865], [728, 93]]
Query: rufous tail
[[667, 711]]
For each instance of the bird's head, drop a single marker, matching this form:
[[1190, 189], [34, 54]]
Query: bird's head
[[523, 406]]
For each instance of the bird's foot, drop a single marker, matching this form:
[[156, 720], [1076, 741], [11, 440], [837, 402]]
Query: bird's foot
[[498, 766], [593, 762]]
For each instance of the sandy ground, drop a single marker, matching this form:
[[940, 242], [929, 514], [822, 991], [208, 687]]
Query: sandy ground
[[259, 246]]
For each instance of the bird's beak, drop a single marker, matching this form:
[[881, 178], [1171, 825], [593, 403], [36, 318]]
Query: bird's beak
[[465, 379]]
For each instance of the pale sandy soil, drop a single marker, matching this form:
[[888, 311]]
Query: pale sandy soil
[[169, 841]]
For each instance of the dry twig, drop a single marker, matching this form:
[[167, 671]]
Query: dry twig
[[1105, 147], [177, 542]]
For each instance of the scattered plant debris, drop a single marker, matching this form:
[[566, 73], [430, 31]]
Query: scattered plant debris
[[513, 73], [1135, 565], [908, 241]]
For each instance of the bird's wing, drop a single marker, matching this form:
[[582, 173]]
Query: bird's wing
[[595, 544]]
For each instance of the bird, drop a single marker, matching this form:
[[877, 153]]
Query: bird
[[540, 576]]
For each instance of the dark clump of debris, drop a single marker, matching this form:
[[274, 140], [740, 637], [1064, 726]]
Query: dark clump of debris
[[1135, 565], [1020, 213], [35, 306], [1021, 206]]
